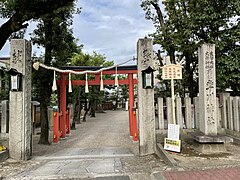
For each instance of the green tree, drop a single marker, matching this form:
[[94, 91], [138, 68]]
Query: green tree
[[59, 43], [188, 24], [94, 96], [19, 12]]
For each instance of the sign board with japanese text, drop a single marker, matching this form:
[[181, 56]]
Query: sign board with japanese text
[[173, 131], [172, 71], [172, 145]]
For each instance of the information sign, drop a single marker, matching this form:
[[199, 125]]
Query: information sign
[[172, 145], [172, 71]]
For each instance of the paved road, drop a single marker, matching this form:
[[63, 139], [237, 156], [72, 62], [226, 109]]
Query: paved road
[[99, 149]]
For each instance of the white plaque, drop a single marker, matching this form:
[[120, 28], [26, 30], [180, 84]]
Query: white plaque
[[173, 131]]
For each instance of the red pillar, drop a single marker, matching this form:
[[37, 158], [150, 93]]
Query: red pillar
[[55, 127], [131, 102], [63, 108]]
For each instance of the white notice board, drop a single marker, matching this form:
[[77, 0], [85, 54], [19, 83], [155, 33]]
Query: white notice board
[[173, 131]]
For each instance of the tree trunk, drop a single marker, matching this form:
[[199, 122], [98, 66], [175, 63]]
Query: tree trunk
[[93, 108], [87, 108], [78, 120], [46, 81], [73, 126]]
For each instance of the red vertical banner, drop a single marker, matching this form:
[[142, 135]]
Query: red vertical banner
[[55, 127], [63, 105], [135, 127]]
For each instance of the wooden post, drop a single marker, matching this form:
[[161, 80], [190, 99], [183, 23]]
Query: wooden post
[[173, 103]]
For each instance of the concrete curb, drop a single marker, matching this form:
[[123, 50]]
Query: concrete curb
[[165, 156], [158, 176]]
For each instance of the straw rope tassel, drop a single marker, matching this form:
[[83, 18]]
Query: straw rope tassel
[[69, 83], [54, 86], [101, 83], [86, 85], [116, 78]]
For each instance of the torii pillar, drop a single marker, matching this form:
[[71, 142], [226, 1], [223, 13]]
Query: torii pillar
[[131, 102], [63, 105]]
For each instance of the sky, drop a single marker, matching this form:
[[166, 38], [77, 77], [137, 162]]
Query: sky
[[109, 27]]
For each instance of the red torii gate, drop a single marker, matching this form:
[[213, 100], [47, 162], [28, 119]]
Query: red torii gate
[[63, 83]]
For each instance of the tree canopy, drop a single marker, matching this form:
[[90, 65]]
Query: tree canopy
[[186, 24]]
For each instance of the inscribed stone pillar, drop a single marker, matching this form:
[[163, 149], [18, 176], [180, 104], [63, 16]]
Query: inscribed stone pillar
[[20, 125], [146, 115], [207, 89]]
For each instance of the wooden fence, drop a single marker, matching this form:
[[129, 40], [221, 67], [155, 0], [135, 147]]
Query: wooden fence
[[187, 113]]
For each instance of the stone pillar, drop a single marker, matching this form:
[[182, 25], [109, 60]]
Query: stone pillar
[[20, 124], [196, 111], [5, 117], [230, 112], [160, 114], [146, 115], [169, 110], [223, 105], [188, 113], [207, 89], [218, 115], [179, 112]]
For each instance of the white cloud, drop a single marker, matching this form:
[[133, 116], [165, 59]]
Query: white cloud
[[111, 27], [108, 27]]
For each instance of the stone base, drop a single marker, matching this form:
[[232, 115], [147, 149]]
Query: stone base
[[210, 148], [210, 139], [210, 144]]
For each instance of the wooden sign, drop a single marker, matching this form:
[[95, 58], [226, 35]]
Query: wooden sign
[[172, 71]]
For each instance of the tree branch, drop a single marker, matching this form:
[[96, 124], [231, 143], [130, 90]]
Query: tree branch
[[27, 10], [159, 13]]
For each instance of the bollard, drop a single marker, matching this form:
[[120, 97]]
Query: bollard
[[134, 124], [68, 122], [55, 127]]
